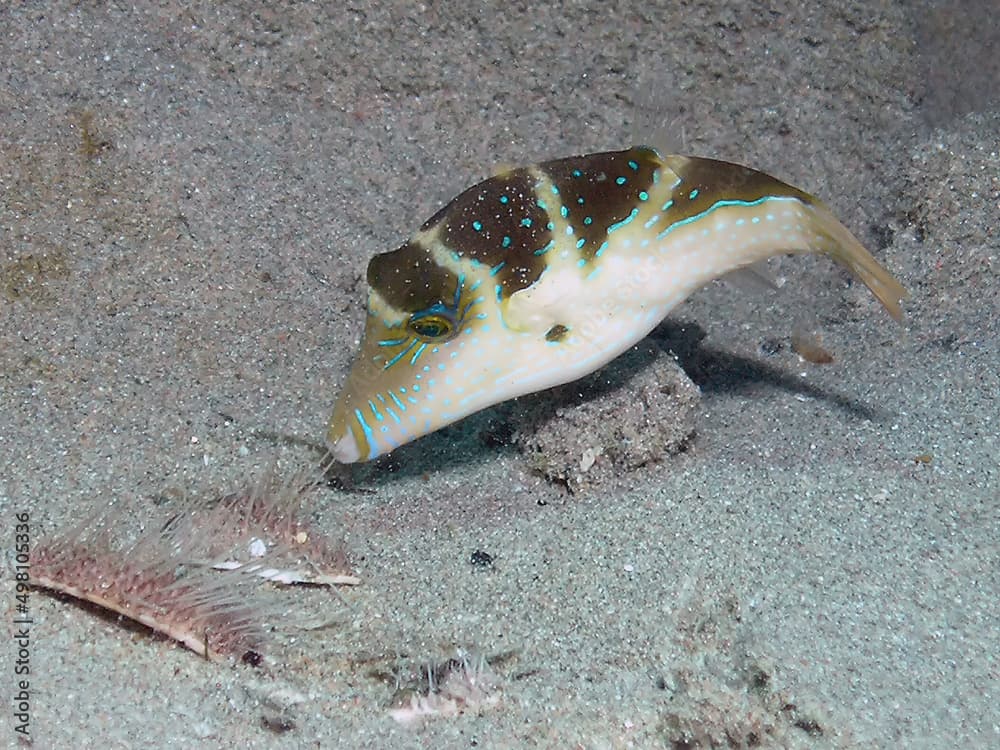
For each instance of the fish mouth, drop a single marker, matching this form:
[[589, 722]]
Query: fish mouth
[[344, 448]]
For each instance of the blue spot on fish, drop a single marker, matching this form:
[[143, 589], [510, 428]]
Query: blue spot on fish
[[548, 246], [400, 355], [624, 222], [417, 353], [364, 427]]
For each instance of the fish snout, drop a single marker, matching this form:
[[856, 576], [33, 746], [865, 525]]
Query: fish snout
[[341, 443]]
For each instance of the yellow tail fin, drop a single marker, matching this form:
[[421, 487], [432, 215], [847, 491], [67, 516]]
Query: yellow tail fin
[[844, 248]]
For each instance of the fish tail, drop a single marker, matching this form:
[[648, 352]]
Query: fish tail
[[844, 248]]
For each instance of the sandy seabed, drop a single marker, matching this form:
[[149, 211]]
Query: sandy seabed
[[189, 195]]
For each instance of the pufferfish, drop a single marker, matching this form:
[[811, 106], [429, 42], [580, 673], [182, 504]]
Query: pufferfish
[[542, 274]]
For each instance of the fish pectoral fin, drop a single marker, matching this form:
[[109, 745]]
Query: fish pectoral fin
[[752, 279]]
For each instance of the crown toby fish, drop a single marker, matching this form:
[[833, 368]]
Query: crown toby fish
[[542, 274]]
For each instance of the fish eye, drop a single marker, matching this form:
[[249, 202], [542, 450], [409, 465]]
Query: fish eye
[[431, 326]]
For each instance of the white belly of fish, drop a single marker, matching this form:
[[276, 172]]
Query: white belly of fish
[[639, 279]]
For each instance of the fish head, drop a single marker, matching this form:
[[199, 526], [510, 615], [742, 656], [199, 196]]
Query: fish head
[[425, 357], [415, 310], [438, 346]]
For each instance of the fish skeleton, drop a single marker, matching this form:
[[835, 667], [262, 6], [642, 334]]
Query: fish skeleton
[[542, 274]]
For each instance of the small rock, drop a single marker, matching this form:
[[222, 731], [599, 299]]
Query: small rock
[[638, 410]]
